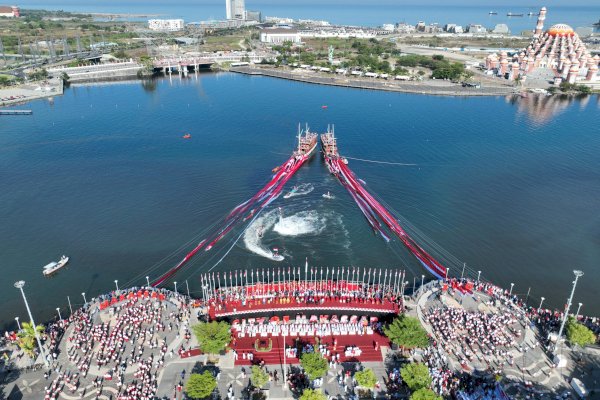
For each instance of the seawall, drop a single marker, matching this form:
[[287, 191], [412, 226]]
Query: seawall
[[437, 88]]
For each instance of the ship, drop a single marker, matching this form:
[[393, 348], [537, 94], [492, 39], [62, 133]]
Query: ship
[[329, 148], [307, 143], [514, 15], [55, 266], [493, 13]]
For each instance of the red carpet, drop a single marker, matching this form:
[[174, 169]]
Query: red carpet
[[275, 356]]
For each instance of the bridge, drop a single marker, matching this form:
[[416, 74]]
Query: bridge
[[181, 64], [205, 60]]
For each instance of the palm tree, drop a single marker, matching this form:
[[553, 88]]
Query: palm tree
[[27, 338]]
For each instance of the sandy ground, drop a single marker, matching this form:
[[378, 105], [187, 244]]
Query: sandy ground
[[30, 91]]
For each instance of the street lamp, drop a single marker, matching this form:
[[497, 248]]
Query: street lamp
[[478, 276], [84, 299], [187, 286], [148, 281], [18, 323], [59, 316], [19, 285], [117, 284], [422, 277], [175, 286], [578, 308], [578, 274], [540, 307], [511, 288]]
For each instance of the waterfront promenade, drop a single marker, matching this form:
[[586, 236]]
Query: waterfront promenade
[[429, 87], [137, 343]]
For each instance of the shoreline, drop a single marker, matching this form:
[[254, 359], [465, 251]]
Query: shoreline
[[440, 88], [31, 91]]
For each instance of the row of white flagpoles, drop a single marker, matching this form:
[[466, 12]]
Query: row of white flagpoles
[[336, 279]]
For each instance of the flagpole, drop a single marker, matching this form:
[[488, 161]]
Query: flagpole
[[306, 271]]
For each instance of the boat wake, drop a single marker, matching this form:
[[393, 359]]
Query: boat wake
[[307, 224], [302, 223], [256, 231], [300, 190]]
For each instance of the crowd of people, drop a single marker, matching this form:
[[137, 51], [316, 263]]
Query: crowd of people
[[470, 334], [135, 337]]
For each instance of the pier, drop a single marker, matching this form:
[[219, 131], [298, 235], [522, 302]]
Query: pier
[[16, 112]]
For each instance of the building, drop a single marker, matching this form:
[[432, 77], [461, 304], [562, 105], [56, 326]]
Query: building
[[453, 28], [235, 9], [253, 16], [10, 11], [405, 28], [476, 28], [501, 29], [279, 36], [170, 25], [559, 51], [584, 31], [388, 27]]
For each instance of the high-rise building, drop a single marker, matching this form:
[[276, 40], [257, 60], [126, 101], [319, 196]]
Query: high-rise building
[[235, 9]]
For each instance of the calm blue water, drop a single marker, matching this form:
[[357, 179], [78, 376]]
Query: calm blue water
[[510, 187], [371, 14]]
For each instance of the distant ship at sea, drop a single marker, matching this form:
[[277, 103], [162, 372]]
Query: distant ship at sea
[[493, 13], [513, 15]]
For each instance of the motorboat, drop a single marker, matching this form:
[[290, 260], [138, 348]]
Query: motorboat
[[55, 266], [328, 196]]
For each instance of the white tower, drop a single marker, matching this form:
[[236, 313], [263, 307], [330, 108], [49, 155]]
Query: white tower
[[228, 9], [539, 28]]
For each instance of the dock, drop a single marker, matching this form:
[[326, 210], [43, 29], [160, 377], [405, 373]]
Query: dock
[[16, 112]]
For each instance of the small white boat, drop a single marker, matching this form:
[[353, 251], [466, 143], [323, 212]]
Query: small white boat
[[55, 266], [328, 196]]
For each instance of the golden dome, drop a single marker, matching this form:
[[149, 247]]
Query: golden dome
[[561, 30]]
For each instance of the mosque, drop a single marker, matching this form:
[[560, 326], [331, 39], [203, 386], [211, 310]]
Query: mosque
[[558, 52]]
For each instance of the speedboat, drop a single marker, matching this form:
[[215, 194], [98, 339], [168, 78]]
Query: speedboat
[[328, 196], [55, 266], [187, 136]]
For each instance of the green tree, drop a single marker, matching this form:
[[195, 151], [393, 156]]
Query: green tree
[[416, 376], [314, 365], [27, 340], [259, 378], [579, 334], [424, 394], [407, 332], [212, 336], [312, 394], [366, 378], [200, 386]]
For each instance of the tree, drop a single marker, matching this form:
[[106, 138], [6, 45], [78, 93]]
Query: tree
[[312, 394], [579, 334], [200, 386], [424, 394], [314, 365], [366, 378], [407, 332], [212, 336], [27, 340], [416, 376], [259, 378]]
